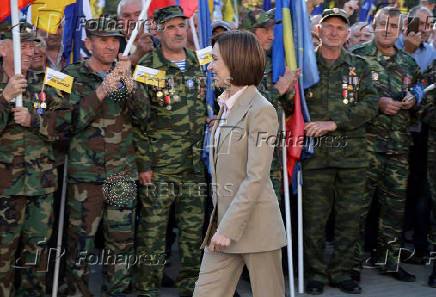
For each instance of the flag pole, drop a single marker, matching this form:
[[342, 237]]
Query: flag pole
[[288, 211], [194, 33], [235, 4], [60, 230], [300, 233], [16, 45], [141, 19]]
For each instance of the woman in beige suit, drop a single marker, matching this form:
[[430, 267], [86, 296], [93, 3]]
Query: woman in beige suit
[[246, 227]]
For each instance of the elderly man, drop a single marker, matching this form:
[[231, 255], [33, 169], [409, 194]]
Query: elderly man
[[27, 168], [341, 105], [128, 12], [171, 172], [360, 33]]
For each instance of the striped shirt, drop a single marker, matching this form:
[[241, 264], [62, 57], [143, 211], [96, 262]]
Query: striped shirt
[[181, 64]]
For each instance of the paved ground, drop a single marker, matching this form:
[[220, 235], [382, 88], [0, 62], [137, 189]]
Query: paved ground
[[373, 284]]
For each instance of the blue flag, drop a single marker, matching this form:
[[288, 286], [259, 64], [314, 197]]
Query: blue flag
[[73, 31], [267, 5], [205, 32], [366, 14]]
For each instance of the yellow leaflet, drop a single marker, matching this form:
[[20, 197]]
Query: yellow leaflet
[[149, 76], [205, 55], [58, 80]]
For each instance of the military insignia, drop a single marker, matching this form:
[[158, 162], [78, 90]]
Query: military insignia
[[159, 94], [345, 80], [352, 71], [345, 101], [169, 107], [355, 80], [374, 76], [350, 87], [40, 111]]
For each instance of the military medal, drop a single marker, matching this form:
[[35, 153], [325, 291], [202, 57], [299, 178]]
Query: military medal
[[190, 83], [176, 98], [43, 99], [159, 94], [374, 76]]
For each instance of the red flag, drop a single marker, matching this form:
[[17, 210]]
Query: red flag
[[295, 134], [189, 7], [157, 4], [5, 9]]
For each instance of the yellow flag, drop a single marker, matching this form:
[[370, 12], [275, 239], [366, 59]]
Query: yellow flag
[[58, 80], [47, 14], [149, 76]]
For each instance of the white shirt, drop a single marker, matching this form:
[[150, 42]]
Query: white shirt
[[227, 103]]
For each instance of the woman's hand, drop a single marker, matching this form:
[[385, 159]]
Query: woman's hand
[[218, 242]]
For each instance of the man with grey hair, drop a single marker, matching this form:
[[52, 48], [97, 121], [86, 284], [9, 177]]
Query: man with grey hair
[[415, 42], [128, 12], [360, 33]]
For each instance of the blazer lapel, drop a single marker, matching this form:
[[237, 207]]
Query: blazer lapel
[[237, 112], [212, 155]]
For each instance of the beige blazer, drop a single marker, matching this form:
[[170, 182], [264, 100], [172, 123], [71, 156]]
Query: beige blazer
[[246, 209]]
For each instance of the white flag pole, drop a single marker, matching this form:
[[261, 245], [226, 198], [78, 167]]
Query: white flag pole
[[194, 33], [288, 212], [300, 234], [141, 19], [17, 45], [60, 231]]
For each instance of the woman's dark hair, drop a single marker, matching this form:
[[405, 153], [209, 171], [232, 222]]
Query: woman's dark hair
[[243, 55]]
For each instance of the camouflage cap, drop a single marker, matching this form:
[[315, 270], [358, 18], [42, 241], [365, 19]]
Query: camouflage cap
[[26, 31], [334, 12], [257, 18], [162, 15], [103, 26]]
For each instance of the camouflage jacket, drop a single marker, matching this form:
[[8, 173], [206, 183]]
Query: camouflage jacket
[[27, 163], [173, 140], [427, 110], [392, 78], [102, 141], [346, 95], [267, 89]]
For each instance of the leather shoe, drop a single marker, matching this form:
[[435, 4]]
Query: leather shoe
[[314, 287], [402, 275], [348, 286]]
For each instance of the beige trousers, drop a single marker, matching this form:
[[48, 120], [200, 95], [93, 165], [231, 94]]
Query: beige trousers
[[220, 272]]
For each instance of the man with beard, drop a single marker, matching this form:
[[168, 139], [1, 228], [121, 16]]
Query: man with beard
[[171, 171], [393, 72], [102, 163]]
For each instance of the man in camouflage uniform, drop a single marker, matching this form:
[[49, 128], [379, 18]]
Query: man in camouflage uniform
[[27, 169], [427, 113], [102, 162], [170, 149], [340, 105], [279, 94], [394, 72]]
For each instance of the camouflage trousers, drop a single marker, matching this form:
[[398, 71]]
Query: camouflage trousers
[[432, 181], [27, 219], [386, 179], [87, 209], [188, 193], [276, 173], [326, 190]]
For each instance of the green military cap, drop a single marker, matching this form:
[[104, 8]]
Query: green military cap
[[26, 31], [162, 15], [334, 12], [103, 26], [257, 18]]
